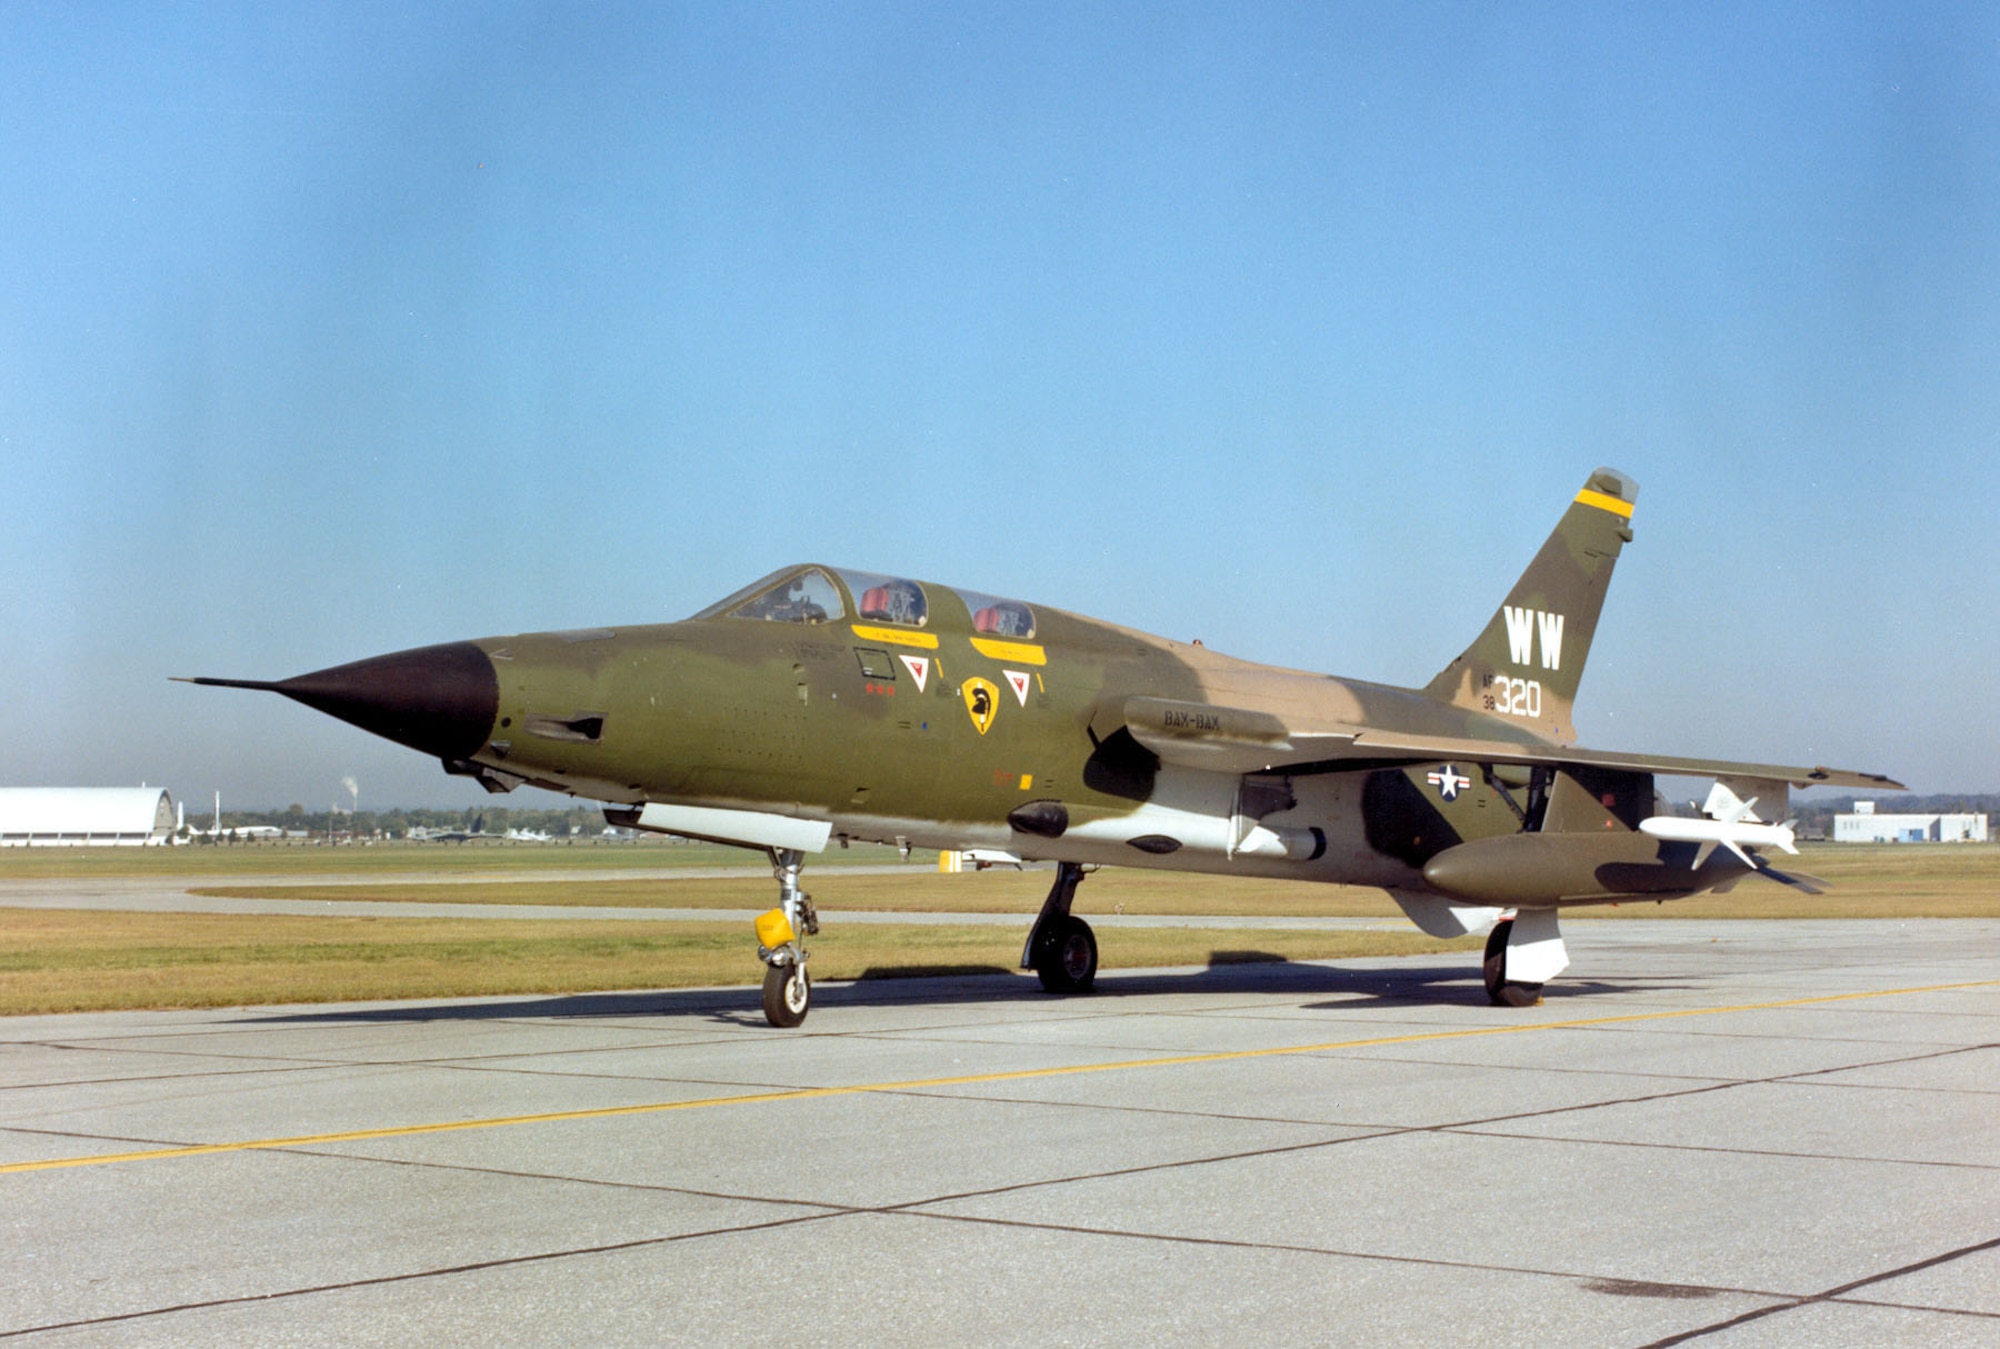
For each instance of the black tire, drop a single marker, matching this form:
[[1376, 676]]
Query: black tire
[[787, 995], [1067, 960], [1500, 990]]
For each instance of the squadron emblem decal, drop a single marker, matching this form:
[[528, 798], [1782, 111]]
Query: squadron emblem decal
[[1448, 780], [920, 668], [1017, 680], [982, 700]]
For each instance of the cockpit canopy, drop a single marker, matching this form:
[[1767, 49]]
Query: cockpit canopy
[[812, 595], [888, 599], [997, 617], [796, 595]]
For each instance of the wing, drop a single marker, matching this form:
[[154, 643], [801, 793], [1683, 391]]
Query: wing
[[1239, 740]]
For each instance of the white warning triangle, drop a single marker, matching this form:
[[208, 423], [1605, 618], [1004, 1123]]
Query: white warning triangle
[[1018, 681], [920, 669]]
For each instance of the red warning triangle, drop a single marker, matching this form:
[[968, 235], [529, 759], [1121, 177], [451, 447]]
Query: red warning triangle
[[1016, 680], [920, 669]]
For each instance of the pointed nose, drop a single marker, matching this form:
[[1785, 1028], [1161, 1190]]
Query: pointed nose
[[438, 699]]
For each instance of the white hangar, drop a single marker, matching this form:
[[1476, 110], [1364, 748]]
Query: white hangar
[[76, 817], [1865, 826]]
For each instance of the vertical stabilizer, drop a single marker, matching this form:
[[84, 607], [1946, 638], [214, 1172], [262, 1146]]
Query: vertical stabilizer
[[1529, 660]]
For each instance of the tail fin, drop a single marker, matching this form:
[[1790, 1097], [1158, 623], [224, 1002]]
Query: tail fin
[[1529, 660]]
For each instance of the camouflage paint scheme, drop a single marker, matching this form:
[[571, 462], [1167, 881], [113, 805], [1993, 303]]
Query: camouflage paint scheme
[[787, 717]]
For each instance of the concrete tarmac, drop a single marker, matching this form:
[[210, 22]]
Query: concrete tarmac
[[1727, 1133]]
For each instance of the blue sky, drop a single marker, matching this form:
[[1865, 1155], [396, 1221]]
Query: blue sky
[[327, 331]]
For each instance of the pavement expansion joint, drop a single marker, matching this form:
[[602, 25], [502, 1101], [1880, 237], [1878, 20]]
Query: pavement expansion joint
[[821, 1208], [1838, 1294], [1548, 1069], [1329, 1252], [1914, 1307], [1112, 1108], [410, 1276], [84, 1136], [1843, 1158], [161, 1077], [159, 1051]]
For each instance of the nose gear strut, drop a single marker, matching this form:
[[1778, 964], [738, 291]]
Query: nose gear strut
[[780, 943]]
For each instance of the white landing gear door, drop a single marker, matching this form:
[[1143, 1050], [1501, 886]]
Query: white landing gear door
[[1535, 951]]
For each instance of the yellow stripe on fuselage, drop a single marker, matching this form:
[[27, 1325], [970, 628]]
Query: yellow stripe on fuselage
[[1020, 653], [897, 637], [1613, 504]]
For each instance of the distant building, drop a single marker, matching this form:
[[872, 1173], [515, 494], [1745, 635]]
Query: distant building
[[78, 817], [1865, 826]]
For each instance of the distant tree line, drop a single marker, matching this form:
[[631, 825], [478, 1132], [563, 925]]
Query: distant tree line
[[579, 821]]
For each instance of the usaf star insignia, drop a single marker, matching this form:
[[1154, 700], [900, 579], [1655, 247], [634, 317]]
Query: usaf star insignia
[[1449, 781]]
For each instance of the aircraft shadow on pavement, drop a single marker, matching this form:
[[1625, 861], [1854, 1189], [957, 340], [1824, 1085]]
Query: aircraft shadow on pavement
[[1229, 972]]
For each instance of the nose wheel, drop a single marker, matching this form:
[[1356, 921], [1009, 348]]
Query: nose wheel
[[787, 994]]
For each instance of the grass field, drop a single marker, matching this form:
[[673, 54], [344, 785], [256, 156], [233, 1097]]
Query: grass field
[[1869, 882], [451, 859], [65, 961], [53, 961]]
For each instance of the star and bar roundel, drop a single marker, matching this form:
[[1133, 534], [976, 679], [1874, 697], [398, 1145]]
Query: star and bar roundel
[[1448, 780]]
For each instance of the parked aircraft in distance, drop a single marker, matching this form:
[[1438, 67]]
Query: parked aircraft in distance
[[822, 703]]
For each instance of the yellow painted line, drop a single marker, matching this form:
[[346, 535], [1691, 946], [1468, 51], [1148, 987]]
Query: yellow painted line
[[897, 636], [971, 1079], [1605, 503], [1020, 653]]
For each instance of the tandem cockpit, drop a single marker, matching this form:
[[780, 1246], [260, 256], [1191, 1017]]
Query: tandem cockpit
[[816, 595]]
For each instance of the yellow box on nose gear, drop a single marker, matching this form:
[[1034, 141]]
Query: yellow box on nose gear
[[774, 929]]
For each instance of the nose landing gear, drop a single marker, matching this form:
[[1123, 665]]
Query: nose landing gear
[[781, 945]]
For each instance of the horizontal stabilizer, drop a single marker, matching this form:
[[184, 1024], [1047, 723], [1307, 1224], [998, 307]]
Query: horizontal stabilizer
[[1797, 880]]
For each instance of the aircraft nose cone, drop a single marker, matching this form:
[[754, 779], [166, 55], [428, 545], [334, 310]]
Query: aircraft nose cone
[[438, 699]]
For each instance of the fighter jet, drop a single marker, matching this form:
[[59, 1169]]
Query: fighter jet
[[824, 705]]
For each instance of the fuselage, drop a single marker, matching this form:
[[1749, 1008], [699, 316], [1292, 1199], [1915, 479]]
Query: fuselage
[[938, 735]]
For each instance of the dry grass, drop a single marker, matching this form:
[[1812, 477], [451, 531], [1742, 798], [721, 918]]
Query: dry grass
[[1870, 882], [914, 892], [66, 961], [362, 860]]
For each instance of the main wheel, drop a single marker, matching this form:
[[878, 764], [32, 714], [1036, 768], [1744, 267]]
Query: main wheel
[[1500, 990], [787, 994], [1067, 961]]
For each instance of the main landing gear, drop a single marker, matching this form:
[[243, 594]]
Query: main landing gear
[[1500, 990], [1061, 949], [780, 943], [1523, 952]]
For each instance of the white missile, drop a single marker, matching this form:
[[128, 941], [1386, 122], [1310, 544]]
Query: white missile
[[1733, 824]]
